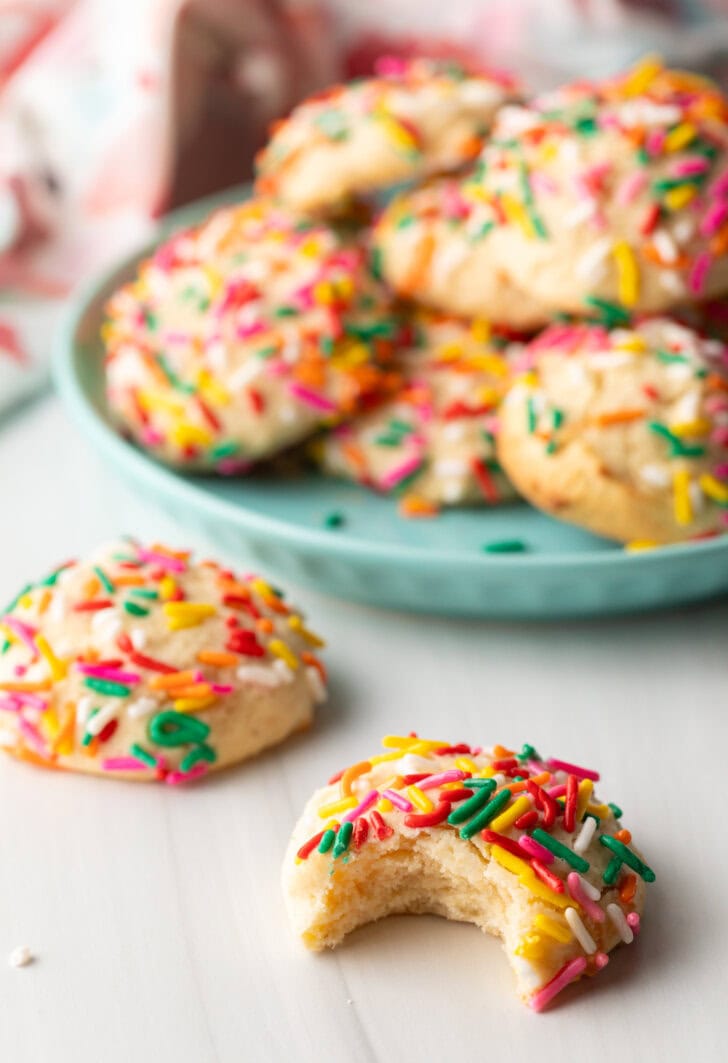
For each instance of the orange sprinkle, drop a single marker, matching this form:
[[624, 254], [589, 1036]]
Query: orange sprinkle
[[355, 455], [193, 690], [92, 748], [618, 417], [34, 758], [237, 590], [20, 686], [64, 739], [265, 625], [312, 660], [516, 787], [92, 587], [351, 773], [129, 579], [719, 243], [500, 752], [172, 680], [624, 836], [416, 506], [217, 658], [651, 253], [416, 275], [43, 601], [716, 383], [628, 888]]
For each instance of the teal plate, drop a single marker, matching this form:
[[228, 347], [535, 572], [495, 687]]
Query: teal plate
[[376, 556]]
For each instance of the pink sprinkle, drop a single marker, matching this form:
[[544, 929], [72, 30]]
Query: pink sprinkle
[[721, 471], [388, 66], [631, 187], [312, 398], [34, 700], [364, 805], [171, 564], [24, 632], [568, 973], [176, 777], [114, 675], [719, 186], [540, 182], [654, 141], [150, 437], [32, 736], [591, 908], [233, 466], [572, 769], [397, 800], [689, 167], [244, 332], [633, 920], [719, 436], [533, 848], [557, 791], [400, 472], [10, 704], [454, 775], [714, 217], [222, 688], [601, 960], [699, 272], [123, 764]]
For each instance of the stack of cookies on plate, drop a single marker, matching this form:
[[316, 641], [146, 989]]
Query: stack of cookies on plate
[[513, 321]]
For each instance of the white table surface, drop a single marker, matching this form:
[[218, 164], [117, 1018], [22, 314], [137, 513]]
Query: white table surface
[[156, 915]]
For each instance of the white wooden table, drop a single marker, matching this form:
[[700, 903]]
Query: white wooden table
[[155, 913]]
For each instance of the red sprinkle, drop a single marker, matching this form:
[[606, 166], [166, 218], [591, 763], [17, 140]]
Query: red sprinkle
[[93, 606], [485, 480], [457, 795], [570, 803], [361, 832], [527, 820], [548, 806], [310, 845], [427, 819], [494, 838], [547, 877], [382, 829]]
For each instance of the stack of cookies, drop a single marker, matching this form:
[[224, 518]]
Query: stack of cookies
[[511, 323]]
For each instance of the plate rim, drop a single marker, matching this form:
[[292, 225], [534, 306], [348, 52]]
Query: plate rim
[[135, 463]]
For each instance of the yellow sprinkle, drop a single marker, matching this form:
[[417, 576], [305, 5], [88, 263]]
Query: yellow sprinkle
[[489, 363], [49, 725], [399, 134], [187, 434], [679, 197], [603, 811], [511, 814], [682, 505], [214, 280], [586, 786], [167, 588], [627, 273], [186, 614], [58, 667], [632, 342], [324, 293], [714, 488], [211, 389], [261, 587], [155, 402], [296, 623], [509, 861], [700, 427], [480, 330], [310, 247], [518, 215], [466, 764], [408, 741], [641, 75], [280, 649], [380, 758], [384, 805], [342, 804], [555, 929], [637, 545], [531, 947], [194, 704], [679, 137], [419, 798], [537, 887]]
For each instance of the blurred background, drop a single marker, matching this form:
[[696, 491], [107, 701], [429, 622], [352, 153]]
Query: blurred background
[[115, 111]]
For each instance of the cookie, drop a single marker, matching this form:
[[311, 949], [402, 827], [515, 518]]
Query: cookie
[[434, 439], [518, 845], [623, 432], [241, 337], [141, 663], [415, 118], [600, 199]]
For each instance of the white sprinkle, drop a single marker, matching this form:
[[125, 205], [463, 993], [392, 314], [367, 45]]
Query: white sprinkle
[[453, 491], [591, 263], [665, 245], [697, 498], [448, 259], [579, 931], [621, 925], [450, 467], [259, 674], [593, 892], [686, 409], [99, 720], [580, 213], [585, 835], [246, 374], [655, 476], [671, 281], [142, 707], [283, 670], [20, 956], [316, 684], [138, 638], [453, 431], [683, 230], [83, 708], [57, 608]]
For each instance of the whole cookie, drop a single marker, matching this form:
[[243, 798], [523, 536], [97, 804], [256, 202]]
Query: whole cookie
[[241, 337], [413, 119], [601, 199], [516, 844], [143, 664], [623, 432], [435, 438]]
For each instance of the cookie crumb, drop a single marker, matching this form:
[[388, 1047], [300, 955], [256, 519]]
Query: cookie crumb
[[20, 956]]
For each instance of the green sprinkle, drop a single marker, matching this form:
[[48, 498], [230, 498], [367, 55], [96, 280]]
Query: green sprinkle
[[552, 446], [50, 581], [335, 519], [643, 157], [285, 311], [107, 687], [144, 592], [144, 755], [473, 804], [266, 352], [21, 594], [478, 783], [625, 854], [531, 413], [407, 482], [616, 810], [171, 729], [333, 125], [104, 580], [388, 441], [557, 418], [505, 546], [528, 753], [196, 755], [666, 184], [404, 221], [343, 838], [5, 647], [678, 449], [134, 609], [586, 127], [669, 359], [327, 346], [375, 263], [483, 818], [482, 231], [174, 380], [369, 330], [612, 870], [611, 313], [224, 450], [562, 851], [150, 319], [327, 840]]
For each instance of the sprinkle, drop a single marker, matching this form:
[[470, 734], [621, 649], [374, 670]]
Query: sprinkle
[[398, 800], [714, 489], [21, 956], [533, 849], [454, 775], [308, 847], [699, 272], [333, 808], [572, 769], [123, 764], [509, 817], [682, 504], [585, 835], [627, 273], [474, 804], [327, 840], [107, 687], [429, 819], [505, 546], [585, 894], [620, 923], [568, 973], [364, 805], [559, 850], [580, 932], [343, 838], [628, 857], [482, 818], [553, 928], [335, 519], [284, 653], [419, 799]]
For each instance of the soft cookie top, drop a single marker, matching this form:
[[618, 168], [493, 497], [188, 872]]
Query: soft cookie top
[[517, 844], [433, 442], [414, 118], [242, 336], [143, 664], [597, 199], [623, 432]]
